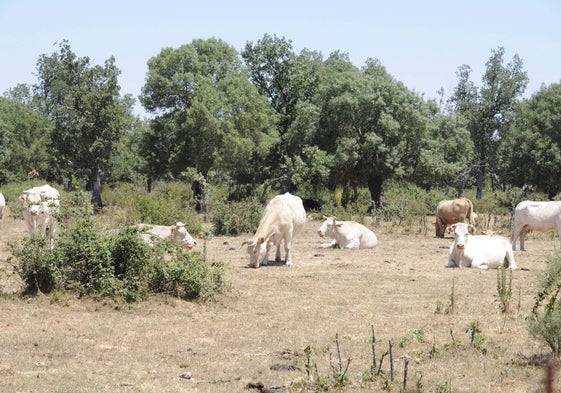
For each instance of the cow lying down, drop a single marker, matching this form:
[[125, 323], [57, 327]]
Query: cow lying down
[[347, 234], [479, 251], [177, 234]]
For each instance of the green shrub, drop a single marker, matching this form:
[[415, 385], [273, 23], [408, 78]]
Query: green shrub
[[235, 218], [36, 264], [117, 264], [544, 321], [188, 276]]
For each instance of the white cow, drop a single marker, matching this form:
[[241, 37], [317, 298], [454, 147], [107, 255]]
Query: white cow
[[479, 251], [535, 216], [283, 217], [175, 233], [347, 234], [2, 205], [40, 203]]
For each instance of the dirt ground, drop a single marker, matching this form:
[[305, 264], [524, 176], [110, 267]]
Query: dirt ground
[[257, 332]]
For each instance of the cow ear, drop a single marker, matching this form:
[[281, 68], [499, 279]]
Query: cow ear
[[451, 228], [261, 240], [471, 229]]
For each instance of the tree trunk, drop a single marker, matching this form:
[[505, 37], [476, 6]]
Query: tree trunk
[[148, 184], [376, 188], [480, 180], [96, 191]]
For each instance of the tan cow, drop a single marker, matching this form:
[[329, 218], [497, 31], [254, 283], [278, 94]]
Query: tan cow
[[453, 211], [284, 217]]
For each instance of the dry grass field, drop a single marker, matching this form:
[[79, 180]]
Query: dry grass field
[[268, 316]]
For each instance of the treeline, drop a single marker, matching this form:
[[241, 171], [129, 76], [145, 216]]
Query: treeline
[[268, 118]]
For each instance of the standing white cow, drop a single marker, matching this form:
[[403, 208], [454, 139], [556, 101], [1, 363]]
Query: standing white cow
[[535, 216], [347, 234], [479, 251], [2, 205], [283, 217], [40, 205], [177, 234]]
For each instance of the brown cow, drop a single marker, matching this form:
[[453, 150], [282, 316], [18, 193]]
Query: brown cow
[[451, 212]]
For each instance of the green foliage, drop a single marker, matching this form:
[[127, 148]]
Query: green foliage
[[209, 116], [36, 264], [234, 218], [531, 152], [24, 136], [544, 321], [88, 114], [116, 264], [188, 275], [504, 288], [489, 110], [168, 203]]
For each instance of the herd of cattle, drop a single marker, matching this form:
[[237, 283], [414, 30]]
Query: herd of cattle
[[284, 217]]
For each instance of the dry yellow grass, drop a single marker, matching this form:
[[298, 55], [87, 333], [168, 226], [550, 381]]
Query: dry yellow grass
[[267, 316]]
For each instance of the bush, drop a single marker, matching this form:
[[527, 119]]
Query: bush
[[36, 264], [544, 322], [234, 218], [188, 276], [116, 264]]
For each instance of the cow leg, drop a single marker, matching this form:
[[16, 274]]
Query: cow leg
[[515, 235], [353, 244], [479, 264], [278, 257], [509, 260], [287, 250], [522, 238]]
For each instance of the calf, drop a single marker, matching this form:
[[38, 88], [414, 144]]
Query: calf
[[347, 234], [482, 252]]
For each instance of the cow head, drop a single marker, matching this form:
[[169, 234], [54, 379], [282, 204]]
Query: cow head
[[257, 250], [180, 235], [328, 226], [461, 234]]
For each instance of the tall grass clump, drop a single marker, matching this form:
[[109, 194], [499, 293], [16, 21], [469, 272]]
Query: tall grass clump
[[544, 321]]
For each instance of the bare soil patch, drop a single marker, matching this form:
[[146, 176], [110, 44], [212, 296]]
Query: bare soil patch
[[257, 332]]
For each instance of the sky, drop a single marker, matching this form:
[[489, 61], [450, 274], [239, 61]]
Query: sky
[[420, 43]]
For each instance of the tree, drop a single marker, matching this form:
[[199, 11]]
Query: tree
[[531, 152], [372, 125], [489, 110], [446, 153], [208, 115], [290, 82], [88, 114], [24, 135]]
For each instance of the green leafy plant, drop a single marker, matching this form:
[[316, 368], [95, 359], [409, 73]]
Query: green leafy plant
[[544, 321]]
